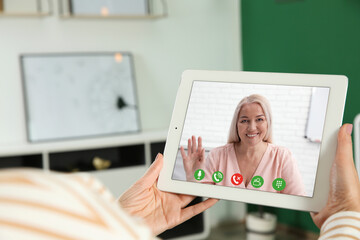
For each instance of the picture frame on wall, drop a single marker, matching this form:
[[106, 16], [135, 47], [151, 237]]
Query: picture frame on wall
[[109, 7], [79, 95]]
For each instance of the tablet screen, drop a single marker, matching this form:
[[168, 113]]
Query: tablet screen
[[252, 136]]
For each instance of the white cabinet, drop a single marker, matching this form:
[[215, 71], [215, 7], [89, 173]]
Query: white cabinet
[[124, 158]]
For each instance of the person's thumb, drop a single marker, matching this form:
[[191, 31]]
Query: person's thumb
[[153, 172], [344, 145]]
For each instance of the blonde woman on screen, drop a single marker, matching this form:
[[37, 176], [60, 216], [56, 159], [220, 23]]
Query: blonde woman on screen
[[249, 152]]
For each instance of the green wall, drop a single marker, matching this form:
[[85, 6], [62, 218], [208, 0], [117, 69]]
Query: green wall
[[303, 36]]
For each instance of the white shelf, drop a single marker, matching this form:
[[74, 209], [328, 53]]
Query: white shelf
[[24, 15], [84, 144]]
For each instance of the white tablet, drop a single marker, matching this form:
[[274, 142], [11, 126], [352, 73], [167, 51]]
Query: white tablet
[[261, 138]]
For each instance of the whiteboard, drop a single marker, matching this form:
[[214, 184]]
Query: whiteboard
[[79, 95], [317, 112]]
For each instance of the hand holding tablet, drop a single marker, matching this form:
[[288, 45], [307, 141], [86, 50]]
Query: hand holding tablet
[[344, 195], [253, 125]]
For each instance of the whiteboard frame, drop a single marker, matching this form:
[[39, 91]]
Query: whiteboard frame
[[76, 54], [338, 88]]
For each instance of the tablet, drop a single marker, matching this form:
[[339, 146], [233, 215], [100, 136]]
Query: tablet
[[261, 138]]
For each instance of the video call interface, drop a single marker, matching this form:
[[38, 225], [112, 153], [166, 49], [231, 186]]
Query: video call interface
[[252, 136]]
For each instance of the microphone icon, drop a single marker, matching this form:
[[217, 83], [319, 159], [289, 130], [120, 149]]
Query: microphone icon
[[199, 174]]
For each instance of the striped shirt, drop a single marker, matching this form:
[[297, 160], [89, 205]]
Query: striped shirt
[[341, 225], [42, 205]]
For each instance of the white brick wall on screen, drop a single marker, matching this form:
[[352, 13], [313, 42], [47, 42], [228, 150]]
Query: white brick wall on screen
[[210, 112]]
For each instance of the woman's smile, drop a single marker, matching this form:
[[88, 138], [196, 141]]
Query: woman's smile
[[252, 135]]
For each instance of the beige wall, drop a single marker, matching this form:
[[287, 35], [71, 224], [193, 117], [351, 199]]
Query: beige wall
[[201, 34]]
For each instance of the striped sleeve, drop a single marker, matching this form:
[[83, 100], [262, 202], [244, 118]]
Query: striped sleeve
[[342, 225], [42, 205]]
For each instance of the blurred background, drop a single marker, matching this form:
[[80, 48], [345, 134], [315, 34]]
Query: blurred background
[[164, 38]]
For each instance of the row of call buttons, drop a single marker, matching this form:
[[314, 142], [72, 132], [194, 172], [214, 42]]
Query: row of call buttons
[[278, 184]]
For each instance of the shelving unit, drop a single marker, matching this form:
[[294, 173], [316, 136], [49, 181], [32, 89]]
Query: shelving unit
[[24, 15], [158, 9], [38, 9], [28, 160], [129, 156]]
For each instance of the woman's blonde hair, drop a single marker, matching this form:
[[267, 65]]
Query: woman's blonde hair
[[265, 105]]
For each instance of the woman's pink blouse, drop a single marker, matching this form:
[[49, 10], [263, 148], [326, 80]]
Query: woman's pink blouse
[[277, 162]]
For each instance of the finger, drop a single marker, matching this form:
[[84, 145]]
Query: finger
[[200, 144], [344, 156], [344, 146], [313, 214], [194, 210], [319, 218], [183, 154], [193, 144], [153, 172], [189, 147], [185, 200], [202, 155]]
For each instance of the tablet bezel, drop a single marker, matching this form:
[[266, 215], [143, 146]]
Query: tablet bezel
[[334, 114]]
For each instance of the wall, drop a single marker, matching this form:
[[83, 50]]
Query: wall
[[304, 37], [201, 34]]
